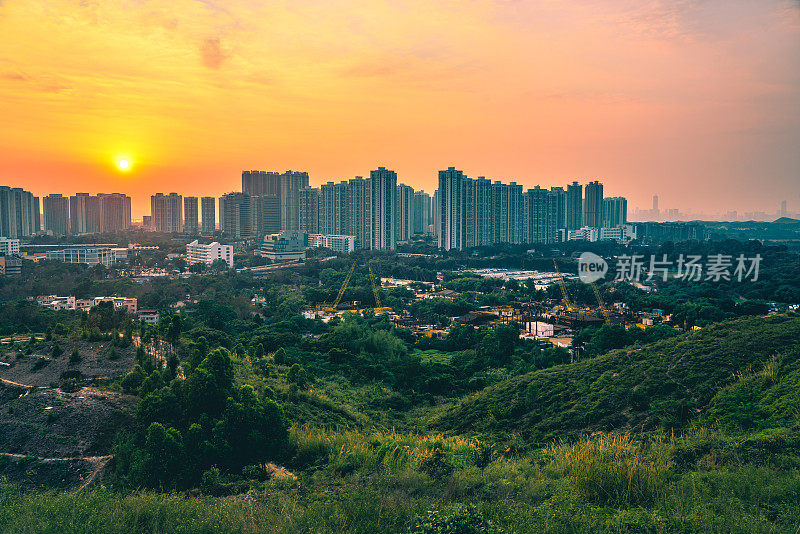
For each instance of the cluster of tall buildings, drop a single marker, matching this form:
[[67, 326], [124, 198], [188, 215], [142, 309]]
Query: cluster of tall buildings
[[377, 211], [19, 213], [174, 213], [81, 213], [471, 212]]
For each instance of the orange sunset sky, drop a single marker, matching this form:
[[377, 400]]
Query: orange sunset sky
[[697, 101]]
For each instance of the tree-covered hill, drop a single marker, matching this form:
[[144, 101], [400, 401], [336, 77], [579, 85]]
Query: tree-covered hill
[[663, 385]]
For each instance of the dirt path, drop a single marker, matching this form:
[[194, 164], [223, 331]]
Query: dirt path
[[27, 386], [97, 463]]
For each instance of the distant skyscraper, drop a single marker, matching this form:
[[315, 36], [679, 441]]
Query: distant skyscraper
[[77, 213], [784, 211], [558, 209], [236, 215], [266, 214], [285, 185], [56, 214], [332, 208], [485, 218], [209, 215], [19, 213], [422, 212], [257, 183], [655, 205], [191, 220], [615, 211], [574, 211], [451, 184], [537, 223], [593, 205], [382, 202], [291, 184], [358, 215], [115, 211], [167, 212], [405, 212], [309, 210]]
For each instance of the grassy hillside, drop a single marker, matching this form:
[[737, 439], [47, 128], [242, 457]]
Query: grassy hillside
[[664, 385]]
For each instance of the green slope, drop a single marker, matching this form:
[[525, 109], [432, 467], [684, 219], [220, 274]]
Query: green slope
[[664, 385]]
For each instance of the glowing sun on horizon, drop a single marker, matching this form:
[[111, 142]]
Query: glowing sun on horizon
[[123, 164]]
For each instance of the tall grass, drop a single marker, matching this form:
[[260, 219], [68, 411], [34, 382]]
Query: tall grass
[[613, 468], [345, 451]]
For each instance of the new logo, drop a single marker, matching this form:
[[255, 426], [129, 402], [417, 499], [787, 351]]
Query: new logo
[[591, 267]]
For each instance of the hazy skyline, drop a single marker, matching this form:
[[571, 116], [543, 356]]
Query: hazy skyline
[[698, 102]]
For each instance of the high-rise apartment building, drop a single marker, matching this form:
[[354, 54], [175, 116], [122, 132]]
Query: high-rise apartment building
[[358, 217], [615, 211], [56, 214], [167, 212], [558, 209], [285, 185], [381, 207], [593, 205], [484, 218], [77, 213], [258, 183], [422, 212], [266, 214], [236, 215], [291, 182], [208, 204], [191, 216], [537, 222], [405, 212], [333, 208], [19, 213], [114, 211], [574, 208], [309, 210], [450, 201]]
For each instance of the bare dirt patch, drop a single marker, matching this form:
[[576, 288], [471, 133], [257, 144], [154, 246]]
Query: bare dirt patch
[[42, 369]]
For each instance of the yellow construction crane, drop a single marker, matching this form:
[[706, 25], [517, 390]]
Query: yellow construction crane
[[564, 295], [343, 288], [374, 286], [379, 308], [603, 309]]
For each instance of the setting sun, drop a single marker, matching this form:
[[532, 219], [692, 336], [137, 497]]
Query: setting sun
[[124, 164]]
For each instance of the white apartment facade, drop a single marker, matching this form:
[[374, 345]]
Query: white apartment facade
[[9, 246], [199, 253]]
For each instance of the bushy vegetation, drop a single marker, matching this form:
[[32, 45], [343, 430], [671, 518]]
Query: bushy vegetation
[[251, 418]]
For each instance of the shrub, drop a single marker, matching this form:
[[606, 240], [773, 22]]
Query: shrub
[[39, 364], [57, 350], [75, 357], [458, 520], [437, 466], [69, 385]]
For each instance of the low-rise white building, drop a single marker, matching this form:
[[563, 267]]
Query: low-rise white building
[[54, 302], [623, 234], [149, 316], [197, 252], [338, 243], [8, 246], [89, 255]]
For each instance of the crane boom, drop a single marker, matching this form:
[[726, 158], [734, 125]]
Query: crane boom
[[564, 295], [344, 285], [374, 286], [600, 302]]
